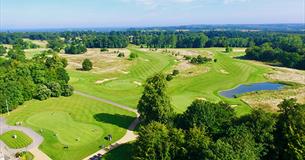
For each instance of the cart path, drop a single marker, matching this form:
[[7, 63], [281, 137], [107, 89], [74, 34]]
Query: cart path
[[129, 135]]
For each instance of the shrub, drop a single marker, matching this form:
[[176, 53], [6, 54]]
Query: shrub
[[121, 55], [87, 65], [42, 92], [169, 77], [104, 50], [133, 55], [229, 49], [67, 90], [55, 89], [175, 72]]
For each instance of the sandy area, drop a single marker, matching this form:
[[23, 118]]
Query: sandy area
[[105, 80]]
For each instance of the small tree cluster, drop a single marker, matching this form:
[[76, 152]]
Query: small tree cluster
[[121, 54], [229, 49], [170, 77], [133, 55], [200, 60], [87, 65]]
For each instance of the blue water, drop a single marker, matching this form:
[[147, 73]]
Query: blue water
[[251, 88]]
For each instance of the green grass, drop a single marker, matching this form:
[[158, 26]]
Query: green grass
[[208, 85], [183, 90], [121, 153], [21, 141], [123, 90], [77, 122]]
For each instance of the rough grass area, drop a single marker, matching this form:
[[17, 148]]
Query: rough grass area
[[103, 62], [21, 140], [76, 122]]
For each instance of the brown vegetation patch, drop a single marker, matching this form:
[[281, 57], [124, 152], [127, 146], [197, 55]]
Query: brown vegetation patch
[[269, 100], [102, 61]]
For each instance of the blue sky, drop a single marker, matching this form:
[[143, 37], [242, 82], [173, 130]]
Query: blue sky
[[129, 13]]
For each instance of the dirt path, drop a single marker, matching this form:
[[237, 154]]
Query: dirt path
[[37, 140], [128, 137]]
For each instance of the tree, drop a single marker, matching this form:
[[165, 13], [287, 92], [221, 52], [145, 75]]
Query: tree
[[242, 142], [229, 49], [290, 133], [153, 142], [67, 90], [169, 77], [2, 50], [262, 125], [154, 105], [55, 89], [197, 144], [56, 44], [87, 65], [213, 116], [42, 92]]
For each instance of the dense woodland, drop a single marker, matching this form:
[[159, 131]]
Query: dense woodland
[[286, 49], [212, 130], [23, 79]]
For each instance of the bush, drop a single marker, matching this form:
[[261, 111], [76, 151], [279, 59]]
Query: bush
[[229, 49], [133, 55], [67, 90], [55, 89], [175, 72], [87, 65], [121, 55], [42, 92], [104, 50], [169, 77]]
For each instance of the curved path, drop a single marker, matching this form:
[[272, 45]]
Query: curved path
[[33, 147], [128, 137]]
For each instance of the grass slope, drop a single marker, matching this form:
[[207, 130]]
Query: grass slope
[[225, 74], [77, 122], [123, 90], [21, 141]]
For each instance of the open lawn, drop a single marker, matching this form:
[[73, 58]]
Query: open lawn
[[20, 141], [73, 127]]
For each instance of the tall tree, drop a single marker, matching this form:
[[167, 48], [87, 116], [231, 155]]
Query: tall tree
[[290, 136], [154, 104]]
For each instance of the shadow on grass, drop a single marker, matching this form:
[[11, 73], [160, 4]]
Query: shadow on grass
[[122, 152], [119, 120]]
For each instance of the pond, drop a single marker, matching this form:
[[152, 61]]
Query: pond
[[251, 88]]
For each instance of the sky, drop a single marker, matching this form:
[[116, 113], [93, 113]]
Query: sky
[[16, 14]]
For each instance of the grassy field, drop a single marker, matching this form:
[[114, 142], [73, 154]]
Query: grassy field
[[126, 88], [21, 140], [227, 73], [121, 153], [77, 122]]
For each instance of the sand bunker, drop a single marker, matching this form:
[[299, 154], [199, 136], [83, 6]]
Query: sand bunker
[[105, 80]]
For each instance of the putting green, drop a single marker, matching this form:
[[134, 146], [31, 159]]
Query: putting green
[[67, 130], [20, 141], [76, 122]]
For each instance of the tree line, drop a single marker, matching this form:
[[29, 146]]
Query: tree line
[[289, 51], [24, 79], [209, 130]]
